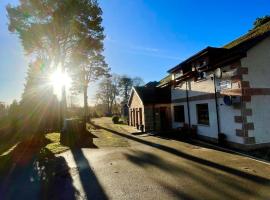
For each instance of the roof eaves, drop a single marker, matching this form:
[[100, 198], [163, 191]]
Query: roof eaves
[[196, 55]]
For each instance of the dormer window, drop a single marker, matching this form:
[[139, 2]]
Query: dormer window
[[200, 64], [178, 74]]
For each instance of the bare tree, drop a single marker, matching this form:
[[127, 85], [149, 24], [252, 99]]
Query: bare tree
[[93, 68], [107, 92]]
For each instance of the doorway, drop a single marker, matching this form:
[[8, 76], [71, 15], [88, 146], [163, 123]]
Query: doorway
[[164, 121]]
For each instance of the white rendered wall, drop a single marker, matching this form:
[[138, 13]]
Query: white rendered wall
[[205, 130], [227, 123], [179, 124], [226, 113], [261, 118], [258, 64], [179, 92]]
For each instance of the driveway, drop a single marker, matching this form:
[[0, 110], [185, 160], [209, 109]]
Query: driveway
[[129, 165]]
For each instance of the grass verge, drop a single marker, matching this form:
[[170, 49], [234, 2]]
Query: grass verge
[[55, 146]]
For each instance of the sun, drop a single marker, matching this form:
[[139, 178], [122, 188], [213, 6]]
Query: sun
[[58, 79]]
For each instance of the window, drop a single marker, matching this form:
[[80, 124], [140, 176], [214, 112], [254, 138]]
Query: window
[[203, 114], [178, 74], [179, 114]]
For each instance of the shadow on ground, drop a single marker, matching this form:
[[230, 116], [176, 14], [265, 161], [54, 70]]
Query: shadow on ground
[[31, 171], [223, 184], [225, 174], [262, 153], [91, 186], [177, 137]]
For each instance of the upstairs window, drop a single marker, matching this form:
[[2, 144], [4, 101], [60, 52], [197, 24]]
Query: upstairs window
[[178, 74], [179, 113], [203, 114]]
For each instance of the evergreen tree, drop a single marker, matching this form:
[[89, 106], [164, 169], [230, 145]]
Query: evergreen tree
[[125, 85], [62, 32], [39, 106]]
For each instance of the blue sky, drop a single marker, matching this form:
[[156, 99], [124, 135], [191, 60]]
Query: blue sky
[[144, 37]]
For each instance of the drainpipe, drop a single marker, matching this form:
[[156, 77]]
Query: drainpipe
[[216, 101], [187, 98]]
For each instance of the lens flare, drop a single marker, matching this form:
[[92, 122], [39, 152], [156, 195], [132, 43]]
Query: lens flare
[[58, 80]]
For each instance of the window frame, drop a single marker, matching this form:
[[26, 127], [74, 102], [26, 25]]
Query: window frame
[[182, 115], [203, 121]]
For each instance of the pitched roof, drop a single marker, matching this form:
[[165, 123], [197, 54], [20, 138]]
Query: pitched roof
[[153, 95], [163, 82], [151, 84], [207, 50], [251, 35]]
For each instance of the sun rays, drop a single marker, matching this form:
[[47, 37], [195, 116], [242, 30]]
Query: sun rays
[[58, 80]]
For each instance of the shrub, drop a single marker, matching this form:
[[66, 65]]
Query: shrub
[[115, 119]]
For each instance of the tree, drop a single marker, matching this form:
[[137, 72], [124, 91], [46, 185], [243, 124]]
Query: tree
[[92, 69], [39, 108], [55, 30], [137, 81], [3, 109], [261, 20], [125, 85], [107, 93], [13, 117]]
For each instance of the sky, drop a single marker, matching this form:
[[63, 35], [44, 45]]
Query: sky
[[144, 38]]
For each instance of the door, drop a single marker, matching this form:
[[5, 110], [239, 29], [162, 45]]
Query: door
[[164, 123]]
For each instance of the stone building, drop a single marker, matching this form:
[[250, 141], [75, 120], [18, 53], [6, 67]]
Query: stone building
[[149, 108]]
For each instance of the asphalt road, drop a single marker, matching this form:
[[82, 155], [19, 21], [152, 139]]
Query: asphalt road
[[149, 167]]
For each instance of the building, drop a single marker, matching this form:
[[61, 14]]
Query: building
[[224, 92], [150, 108]]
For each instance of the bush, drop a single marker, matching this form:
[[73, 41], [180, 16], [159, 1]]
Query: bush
[[115, 119]]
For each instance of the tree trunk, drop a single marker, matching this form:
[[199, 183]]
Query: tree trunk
[[64, 102], [85, 97]]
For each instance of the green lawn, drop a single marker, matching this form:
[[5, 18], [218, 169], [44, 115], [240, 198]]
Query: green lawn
[[101, 138], [106, 138], [55, 146]]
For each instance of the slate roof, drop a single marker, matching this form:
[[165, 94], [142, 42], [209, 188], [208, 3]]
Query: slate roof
[[154, 95]]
